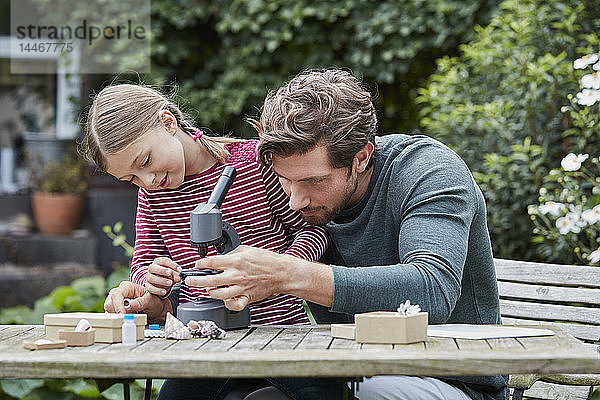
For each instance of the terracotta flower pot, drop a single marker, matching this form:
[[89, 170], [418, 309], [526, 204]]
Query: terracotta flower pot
[[57, 214]]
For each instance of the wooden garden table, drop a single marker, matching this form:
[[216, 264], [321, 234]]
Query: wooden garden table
[[292, 351]]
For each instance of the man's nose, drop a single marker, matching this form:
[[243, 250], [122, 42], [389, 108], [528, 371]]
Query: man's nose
[[298, 200]]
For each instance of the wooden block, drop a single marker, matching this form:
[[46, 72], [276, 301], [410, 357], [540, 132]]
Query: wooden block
[[32, 345], [107, 326], [84, 338], [389, 327], [343, 331]]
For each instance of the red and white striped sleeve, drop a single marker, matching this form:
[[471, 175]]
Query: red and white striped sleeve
[[149, 243], [308, 242]]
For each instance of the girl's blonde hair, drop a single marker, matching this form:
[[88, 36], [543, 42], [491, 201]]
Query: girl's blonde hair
[[120, 114]]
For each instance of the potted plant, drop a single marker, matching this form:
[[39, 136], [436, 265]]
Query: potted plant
[[58, 192]]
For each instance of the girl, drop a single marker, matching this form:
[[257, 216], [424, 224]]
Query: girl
[[138, 135]]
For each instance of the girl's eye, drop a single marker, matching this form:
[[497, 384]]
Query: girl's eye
[[147, 161]]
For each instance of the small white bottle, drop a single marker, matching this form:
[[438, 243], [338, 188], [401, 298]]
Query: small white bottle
[[128, 330]]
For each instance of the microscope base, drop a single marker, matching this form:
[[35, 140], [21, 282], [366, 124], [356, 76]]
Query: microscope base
[[213, 310]]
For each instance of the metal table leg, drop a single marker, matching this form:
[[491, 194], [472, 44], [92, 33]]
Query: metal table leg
[[126, 394], [148, 391], [351, 387]]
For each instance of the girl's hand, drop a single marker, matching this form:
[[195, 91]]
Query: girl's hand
[[162, 274]]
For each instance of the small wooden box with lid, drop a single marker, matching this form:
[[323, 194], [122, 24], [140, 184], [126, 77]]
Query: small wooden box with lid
[[107, 326]]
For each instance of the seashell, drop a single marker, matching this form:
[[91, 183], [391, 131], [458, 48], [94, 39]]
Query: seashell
[[175, 329], [154, 333], [206, 328], [193, 325], [83, 325]]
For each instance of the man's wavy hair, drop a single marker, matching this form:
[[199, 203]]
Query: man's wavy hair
[[327, 108]]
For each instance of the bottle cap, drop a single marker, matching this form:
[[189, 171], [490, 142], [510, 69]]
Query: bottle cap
[[128, 317], [153, 327]]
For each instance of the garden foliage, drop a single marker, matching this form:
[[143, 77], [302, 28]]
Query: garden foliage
[[567, 217], [509, 84], [227, 54]]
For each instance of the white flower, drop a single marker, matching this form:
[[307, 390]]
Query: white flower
[[587, 97], [566, 225], [552, 208], [575, 215], [407, 309], [596, 67], [572, 162], [595, 256], [591, 81], [591, 216], [584, 61]]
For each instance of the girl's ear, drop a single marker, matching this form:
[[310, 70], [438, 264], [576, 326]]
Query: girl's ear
[[169, 121]]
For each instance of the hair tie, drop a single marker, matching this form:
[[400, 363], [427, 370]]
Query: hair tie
[[198, 134]]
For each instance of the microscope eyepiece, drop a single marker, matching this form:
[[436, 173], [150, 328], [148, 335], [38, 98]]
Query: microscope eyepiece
[[223, 184]]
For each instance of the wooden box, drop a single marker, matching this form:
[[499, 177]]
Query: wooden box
[[389, 327], [107, 326], [84, 338], [343, 331]]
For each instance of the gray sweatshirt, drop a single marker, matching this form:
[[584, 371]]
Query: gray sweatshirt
[[419, 233]]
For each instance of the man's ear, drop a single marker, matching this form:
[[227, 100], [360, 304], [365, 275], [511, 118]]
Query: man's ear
[[169, 121], [363, 157]]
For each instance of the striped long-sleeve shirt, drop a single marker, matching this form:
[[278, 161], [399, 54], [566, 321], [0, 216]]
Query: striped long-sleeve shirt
[[256, 206]]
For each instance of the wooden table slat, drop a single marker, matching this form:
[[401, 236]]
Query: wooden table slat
[[440, 343], [501, 344], [469, 344], [231, 340], [338, 343], [318, 337], [290, 338], [420, 346]]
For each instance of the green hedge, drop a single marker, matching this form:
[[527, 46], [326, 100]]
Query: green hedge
[[227, 54], [509, 84]]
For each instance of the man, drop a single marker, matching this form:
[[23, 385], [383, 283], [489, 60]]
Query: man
[[405, 217]]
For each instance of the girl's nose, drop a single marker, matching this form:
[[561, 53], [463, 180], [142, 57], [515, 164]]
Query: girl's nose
[[147, 179]]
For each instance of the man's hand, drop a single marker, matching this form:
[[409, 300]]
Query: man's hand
[[249, 275], [140, 301]]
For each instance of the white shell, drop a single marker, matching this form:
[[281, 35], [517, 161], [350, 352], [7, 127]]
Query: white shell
[[175, 329], [154, 333], [83, 325]]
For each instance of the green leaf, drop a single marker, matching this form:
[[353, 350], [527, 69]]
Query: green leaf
[[60, 295], [20, 388], [115, 392], [116, 277], [90, 286], [82, 387]]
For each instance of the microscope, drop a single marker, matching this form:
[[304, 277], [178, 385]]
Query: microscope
[[207, 229]]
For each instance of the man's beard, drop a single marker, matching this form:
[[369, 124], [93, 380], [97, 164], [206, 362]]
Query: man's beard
[[330, 213]]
